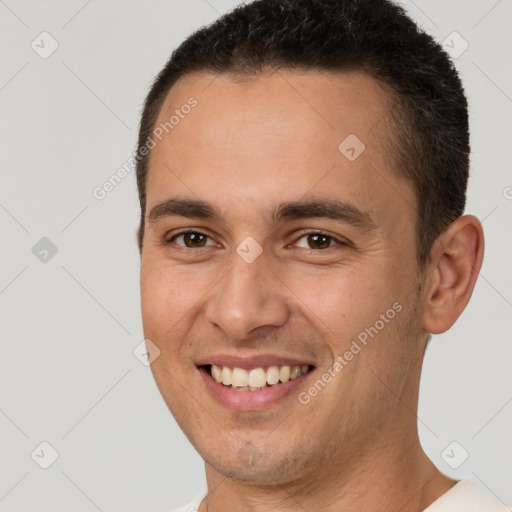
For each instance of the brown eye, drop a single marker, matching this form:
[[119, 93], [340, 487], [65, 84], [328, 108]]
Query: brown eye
[[191, 239], [194, 239], [317, 241]]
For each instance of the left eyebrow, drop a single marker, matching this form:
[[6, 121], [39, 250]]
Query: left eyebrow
[[324, 208]]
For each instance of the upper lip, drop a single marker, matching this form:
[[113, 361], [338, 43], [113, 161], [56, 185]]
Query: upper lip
[[255, 361]]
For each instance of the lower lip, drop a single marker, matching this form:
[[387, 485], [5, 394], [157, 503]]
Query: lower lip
[[250, 400]]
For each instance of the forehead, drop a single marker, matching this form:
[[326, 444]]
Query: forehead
[[255, 140], [330, 105]]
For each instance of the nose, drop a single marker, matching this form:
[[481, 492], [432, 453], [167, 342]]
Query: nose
[[250, 297]]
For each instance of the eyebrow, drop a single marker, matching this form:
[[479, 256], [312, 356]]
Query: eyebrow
[[292, 210]]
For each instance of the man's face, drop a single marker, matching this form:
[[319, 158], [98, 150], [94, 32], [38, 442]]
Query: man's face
[[260, 279]]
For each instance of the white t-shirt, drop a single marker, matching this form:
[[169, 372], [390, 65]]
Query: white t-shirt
[[464, 496]]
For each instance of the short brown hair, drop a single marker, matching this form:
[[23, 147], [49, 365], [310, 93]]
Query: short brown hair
[[430, 121]]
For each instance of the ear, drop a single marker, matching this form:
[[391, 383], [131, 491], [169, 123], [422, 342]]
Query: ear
[[456, 259]]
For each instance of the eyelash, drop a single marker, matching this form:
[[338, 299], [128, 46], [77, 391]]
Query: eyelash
[[168, 241]]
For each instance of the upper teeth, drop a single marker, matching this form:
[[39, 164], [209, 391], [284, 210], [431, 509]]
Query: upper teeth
[[257, 377]]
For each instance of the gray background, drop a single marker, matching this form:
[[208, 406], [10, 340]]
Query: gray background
[[70, 323]]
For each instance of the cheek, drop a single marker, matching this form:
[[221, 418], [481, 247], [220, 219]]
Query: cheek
[[341, 302], [167, 298]]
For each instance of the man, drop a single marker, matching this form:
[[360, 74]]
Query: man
[[302, 177]]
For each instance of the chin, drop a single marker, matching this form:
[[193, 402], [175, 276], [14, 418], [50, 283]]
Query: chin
[[268, 475], [253, 467]]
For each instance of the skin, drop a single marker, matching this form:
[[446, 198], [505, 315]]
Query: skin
[[248, 146]]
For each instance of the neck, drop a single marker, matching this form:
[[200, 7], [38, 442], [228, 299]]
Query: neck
[[388, 472], [408, 482]]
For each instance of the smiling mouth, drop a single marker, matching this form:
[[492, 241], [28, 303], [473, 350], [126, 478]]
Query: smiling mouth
[[255, 379]]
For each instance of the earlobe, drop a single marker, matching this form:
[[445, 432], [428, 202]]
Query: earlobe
[[457, 257]]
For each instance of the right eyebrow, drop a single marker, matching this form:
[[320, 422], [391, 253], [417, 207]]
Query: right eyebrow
[[190, 208]]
